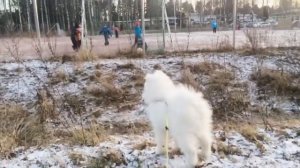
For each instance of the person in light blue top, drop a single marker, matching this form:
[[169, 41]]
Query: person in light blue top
[[214, 25], [106, 33], [137, 33]]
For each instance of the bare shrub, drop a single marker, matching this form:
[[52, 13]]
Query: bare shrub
[[275, 82], [257, 38], [13, 48], [52, 45], [224, 44]]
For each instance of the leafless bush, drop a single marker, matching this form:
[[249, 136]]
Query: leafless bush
[[224, 44], [257, 38], [52, 45], [13, 48]]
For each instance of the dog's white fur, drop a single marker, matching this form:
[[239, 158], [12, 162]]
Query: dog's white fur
[[189, 116]]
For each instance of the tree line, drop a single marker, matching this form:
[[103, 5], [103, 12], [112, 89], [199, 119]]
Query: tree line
[[17, 15]]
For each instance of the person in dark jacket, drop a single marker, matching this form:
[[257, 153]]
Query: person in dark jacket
[[106, 32], [76, 36], [116, 30]]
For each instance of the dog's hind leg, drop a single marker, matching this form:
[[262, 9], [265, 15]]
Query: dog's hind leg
[[188, 145], [205, 143], [160, 139]]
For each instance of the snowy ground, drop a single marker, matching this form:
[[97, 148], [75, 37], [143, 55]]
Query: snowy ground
[[282, 146], [204, 40], [281, 151]]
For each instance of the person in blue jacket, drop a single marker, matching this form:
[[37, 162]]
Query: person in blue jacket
[[106, 33], [214, 25], [138, 33]]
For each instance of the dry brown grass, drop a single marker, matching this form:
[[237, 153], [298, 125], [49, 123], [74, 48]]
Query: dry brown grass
[[45, 106], [59, 76], [96, 76], [18, 128], [276, 82], [90, 135], [157, 67], [144, 145], [224, 44], [220, 80], [84, 55], [130, 53], [106, 92], [126, 66], [138, 79], [94, 89], [250, 133], [226, 149], [76, 158], [228, 99], [206, 68], [98, 66], [128, 128], [188, 79], [110, 158]]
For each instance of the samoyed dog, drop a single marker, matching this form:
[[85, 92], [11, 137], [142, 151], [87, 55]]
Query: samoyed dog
[[181, 110]]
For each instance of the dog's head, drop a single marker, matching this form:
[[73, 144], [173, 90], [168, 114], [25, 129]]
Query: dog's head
[[157, 86]]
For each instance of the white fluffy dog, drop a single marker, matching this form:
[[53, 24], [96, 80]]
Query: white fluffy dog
[[188, 114]]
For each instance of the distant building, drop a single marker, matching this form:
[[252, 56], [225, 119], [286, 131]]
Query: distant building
[[247, 17], [196, 18]]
